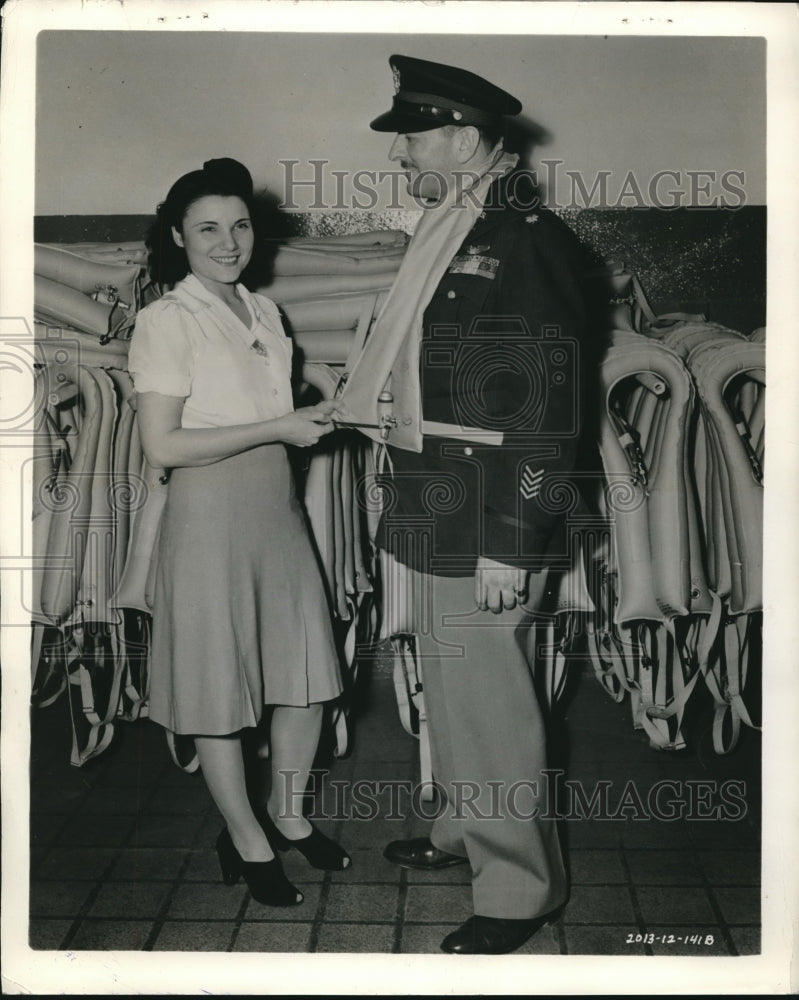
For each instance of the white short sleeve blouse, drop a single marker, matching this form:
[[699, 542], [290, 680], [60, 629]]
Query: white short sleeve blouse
[[190, 344]]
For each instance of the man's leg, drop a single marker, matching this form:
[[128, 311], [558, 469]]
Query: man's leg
[[487, 741]]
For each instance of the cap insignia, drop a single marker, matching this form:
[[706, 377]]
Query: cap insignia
[[397, 83], [531, 218]]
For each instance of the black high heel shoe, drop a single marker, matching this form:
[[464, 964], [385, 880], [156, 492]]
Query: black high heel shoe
[[317, 849], [266, 880]]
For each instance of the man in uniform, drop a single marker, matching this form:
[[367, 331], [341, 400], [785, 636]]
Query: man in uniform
[[479, 346]]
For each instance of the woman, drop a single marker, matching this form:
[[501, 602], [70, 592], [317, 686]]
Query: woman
[[240, 618]]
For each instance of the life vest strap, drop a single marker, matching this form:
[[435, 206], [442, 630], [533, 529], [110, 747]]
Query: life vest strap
[[479, 435]]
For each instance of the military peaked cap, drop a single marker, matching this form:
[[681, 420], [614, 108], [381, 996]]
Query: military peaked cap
[[430, 95]]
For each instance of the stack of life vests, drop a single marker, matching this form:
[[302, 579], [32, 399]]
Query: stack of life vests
[[89, 489], [97, 503], [677, 578], [666, 583]]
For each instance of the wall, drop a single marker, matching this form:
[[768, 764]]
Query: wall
[[122, 114]]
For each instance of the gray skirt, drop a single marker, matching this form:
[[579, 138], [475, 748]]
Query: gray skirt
[[240, 615]]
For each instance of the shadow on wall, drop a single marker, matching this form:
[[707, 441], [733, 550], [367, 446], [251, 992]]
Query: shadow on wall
[[523, 136], [275, 226]]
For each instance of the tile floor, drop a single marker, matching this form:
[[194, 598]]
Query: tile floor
[[122, 849]]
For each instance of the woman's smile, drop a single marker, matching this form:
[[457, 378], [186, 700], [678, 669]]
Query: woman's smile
[[218, 238]]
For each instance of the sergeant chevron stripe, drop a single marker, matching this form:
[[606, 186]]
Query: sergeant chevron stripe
[[531, 482]]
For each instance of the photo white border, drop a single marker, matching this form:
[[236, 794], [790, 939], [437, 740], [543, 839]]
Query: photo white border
[[24, 970]]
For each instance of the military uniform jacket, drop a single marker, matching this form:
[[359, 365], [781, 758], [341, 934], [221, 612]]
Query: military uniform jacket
[[501, 352]]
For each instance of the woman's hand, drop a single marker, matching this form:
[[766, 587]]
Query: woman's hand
[[167, 445], [304, 427]]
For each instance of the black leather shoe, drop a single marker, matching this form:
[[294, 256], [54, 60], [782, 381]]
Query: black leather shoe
[[491, 935], [420, 853], [265, 879], [317, 849]]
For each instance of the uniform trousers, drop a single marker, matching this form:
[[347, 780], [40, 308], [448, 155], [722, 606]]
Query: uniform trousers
[[488, 745]]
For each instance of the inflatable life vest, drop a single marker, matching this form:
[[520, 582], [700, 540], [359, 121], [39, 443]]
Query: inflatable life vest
[[704, 641], [399, 628], [97, 295], [67, 540], [96, 575], [286, 290], [128, 253], [136, 623], [739, 474], [51, 459], [341, 313], [55, 346], [298, 259], [125, 496], [344, 242], [136, 582], [63, 306], [77, 557], [649, 503], [655, 581], [104, 282], [331, 503]]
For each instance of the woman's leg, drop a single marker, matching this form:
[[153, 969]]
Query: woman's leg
[[294, 739], [222, 765]]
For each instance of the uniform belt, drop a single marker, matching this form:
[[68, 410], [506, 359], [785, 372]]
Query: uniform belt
[[433, 428]]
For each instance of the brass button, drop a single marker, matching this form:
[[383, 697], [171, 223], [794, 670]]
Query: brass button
[[450, 294], [467, 450]]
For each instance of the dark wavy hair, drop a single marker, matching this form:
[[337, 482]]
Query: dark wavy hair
[[166, 261]]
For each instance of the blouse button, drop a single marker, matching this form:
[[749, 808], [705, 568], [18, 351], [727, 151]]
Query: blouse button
[[450, 294]]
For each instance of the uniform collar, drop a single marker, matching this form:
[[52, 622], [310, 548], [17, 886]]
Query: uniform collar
[[515, 192]]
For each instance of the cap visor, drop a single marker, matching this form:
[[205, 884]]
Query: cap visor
[[400, 121]]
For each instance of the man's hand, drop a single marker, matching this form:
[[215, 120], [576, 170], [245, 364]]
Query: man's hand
[[497, 586]]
